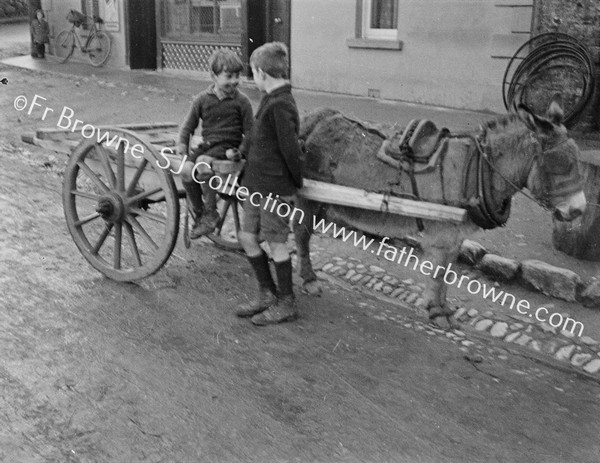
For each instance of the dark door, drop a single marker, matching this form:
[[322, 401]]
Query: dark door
[[278, 25], [141, 34], [264, 21]]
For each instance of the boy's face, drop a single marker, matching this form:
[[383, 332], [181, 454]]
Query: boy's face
[[40, 15], [259, 78], [226, 82]]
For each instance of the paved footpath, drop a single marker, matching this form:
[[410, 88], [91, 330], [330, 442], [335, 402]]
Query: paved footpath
[[497, 333]]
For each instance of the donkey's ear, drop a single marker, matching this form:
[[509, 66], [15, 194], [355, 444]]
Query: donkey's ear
[[555, 112], [533, 122]]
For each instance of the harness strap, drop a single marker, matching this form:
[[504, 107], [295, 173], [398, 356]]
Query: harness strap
[[406, 151], [480, 204]]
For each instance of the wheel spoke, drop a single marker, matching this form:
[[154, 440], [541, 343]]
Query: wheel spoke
[[223, 217], [136, 176], [87, 219], [143, 195], [121, 168], [132, 243], [138, 228], [92, 176], [148, 215], [118, 241], [106, 164], [102, 238], [85, 194], [236, 217]]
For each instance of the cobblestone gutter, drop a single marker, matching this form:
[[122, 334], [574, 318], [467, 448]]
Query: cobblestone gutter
[[515, 331]]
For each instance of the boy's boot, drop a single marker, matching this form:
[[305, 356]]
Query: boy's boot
[[193, 193], [266, 288], [210, 218], [285, 308]]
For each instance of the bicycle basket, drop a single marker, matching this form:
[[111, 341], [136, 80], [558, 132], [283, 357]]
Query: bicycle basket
[[76, 18]]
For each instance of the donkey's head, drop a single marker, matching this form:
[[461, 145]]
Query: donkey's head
[[555, 177]]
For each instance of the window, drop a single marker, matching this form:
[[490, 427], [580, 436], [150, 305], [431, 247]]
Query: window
[[216, 21], [380, 19], [376, 25]]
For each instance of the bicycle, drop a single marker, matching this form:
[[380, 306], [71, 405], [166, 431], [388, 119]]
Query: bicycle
[[97, 45]]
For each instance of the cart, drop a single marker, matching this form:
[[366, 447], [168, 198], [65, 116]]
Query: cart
[[122, 193]]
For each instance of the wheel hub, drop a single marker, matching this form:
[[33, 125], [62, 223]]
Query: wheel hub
[[111, 207]]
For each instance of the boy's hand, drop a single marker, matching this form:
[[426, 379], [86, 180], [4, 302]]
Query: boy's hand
[[233, 154]]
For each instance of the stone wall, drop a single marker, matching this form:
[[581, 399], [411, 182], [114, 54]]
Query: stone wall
[[13, 9], [580, 19]]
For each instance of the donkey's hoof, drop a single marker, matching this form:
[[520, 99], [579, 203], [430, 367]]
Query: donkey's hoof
[[441, 317], [441, 321], [312, 288], [454, 323]]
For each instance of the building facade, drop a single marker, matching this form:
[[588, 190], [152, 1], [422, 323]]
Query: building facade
[[442, 52]]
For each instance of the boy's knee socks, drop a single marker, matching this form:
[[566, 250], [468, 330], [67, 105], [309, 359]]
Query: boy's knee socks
[[260, 265], [210, 199], [284, 278]]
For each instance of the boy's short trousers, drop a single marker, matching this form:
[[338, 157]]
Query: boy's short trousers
[[270, 225], [214, 151]]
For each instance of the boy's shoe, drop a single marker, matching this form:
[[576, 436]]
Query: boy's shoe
[[283, 311], [265, 300], [205, 226], [196, 227]]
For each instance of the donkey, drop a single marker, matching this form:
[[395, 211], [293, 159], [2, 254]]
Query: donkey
[[479, 172]]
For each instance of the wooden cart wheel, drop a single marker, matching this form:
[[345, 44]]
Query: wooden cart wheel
[[230, 213], [229, 209], [121, 205]]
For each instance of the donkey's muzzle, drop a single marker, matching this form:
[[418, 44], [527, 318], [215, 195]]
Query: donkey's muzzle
[[571, 208]]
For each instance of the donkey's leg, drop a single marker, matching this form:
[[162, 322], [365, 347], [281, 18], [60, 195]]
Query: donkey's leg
[[440, 313], [303, 230]]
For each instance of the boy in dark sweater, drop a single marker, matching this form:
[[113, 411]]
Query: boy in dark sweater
[[273, 170], [226, 116]]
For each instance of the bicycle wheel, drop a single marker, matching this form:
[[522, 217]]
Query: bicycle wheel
[[64, 45], [98, 48]]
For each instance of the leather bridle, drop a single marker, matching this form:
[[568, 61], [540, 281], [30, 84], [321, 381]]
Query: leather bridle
[[480, 203]]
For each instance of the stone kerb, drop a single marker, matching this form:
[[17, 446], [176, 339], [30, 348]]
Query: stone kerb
[[534, 274]]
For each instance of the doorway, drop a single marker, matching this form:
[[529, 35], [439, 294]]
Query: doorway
[[141, 35], [266, 21]]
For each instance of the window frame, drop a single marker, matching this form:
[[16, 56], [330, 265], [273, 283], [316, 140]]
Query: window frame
[[369, 32], [387, 41]]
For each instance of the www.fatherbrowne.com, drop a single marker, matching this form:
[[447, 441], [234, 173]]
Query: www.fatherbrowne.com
[[450, 277]]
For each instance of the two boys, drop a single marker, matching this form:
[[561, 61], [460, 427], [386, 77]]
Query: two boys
[[273, 168]]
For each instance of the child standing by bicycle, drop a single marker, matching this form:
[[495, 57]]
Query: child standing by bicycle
[[274, 168], [226, 117], [40, 34]]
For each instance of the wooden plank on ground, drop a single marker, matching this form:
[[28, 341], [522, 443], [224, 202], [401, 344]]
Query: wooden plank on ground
[[45, 132], [63, 146], [354, 197]]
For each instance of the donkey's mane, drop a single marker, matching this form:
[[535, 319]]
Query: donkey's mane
[[502, 124]]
